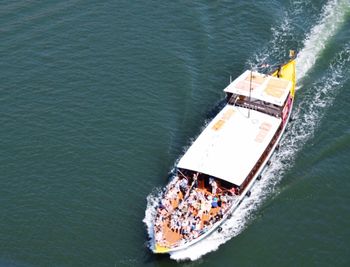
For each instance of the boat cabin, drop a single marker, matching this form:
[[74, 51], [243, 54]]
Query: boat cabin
[[232, 144], [260, 92]]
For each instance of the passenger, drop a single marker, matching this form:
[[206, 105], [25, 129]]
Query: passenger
[[158, 236], [219, 203], [214, 203], [214, 187], [166, 203], [161, 206], [188, 227], [184, 224], [197, 205], [195, 180], [193, 226], [178, 227], [233, 191], [183, 185], [177, 184], [198, 226], [173, 194], [200, 211], [223, 198], [223, 206], [207, 205]]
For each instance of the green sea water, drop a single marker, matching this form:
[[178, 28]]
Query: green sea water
[[99, 99]]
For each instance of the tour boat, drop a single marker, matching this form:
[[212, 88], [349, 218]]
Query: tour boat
[[218, 170]]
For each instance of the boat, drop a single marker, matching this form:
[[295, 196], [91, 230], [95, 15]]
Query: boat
[[220, 167]]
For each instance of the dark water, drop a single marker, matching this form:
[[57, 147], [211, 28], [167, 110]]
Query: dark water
[[99, 99]]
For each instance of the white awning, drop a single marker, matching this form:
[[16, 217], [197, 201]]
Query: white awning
[[263, 87], [231, 144]]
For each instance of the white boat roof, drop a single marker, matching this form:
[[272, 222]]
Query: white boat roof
[[263, 87], [231, 144]]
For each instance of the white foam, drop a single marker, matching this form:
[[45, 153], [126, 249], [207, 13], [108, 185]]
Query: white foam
[[333, 15], [280, 36], [150, 213]]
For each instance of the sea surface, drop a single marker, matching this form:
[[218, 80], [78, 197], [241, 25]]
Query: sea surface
[[99, 99]]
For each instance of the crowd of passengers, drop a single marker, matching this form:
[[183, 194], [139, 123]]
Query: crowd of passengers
[[186, 217]]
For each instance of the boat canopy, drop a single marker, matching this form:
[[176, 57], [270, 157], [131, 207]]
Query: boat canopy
[[231, 144], [263, 87]]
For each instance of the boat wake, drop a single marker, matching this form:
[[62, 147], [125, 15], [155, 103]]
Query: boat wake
[[307, 113], [333, 16]]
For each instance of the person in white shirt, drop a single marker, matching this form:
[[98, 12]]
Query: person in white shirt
[[214, 185]]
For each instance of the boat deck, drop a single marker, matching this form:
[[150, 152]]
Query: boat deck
[[172, 237]]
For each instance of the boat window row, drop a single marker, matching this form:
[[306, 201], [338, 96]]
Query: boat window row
[[255, 104]]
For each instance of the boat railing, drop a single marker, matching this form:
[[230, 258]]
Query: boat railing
[[255, 104], [231, 201], [260, 107]]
